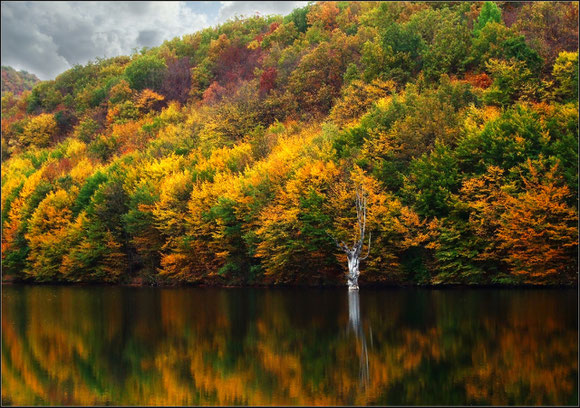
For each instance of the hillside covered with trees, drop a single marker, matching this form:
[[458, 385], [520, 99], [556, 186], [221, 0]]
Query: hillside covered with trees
[[17, 81], [232, 155]]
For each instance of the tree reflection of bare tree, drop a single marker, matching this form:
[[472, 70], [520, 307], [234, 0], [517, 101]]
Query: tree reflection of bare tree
[[356, 325]]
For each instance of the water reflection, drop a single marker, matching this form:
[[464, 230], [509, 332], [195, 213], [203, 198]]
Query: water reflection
[[356, 326], [129, 346]]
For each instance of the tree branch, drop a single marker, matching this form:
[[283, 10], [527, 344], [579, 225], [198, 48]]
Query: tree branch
[[358, 205], [364, 225], [368, 249], [342, 246]]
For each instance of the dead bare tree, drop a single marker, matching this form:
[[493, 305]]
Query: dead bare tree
[[354, 253]]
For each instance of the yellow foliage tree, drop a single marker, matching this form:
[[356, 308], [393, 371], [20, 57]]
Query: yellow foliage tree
[[47, 235], [39, 130]]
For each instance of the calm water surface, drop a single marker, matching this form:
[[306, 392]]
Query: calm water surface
[[193, 346]]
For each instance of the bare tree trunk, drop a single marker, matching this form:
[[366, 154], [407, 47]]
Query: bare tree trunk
[[354, 253], [353, 271]]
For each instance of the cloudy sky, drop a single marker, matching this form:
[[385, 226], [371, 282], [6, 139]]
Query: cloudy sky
[[47, 38]]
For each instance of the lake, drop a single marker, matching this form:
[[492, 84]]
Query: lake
[[98, 345]]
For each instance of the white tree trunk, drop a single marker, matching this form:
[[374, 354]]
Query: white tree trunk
[[354, 254], [353, 272]]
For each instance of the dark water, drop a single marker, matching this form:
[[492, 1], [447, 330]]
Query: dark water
[[191, 346]]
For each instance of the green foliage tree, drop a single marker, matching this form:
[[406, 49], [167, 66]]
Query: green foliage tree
[[490, 13], [298, 16], [448, 49], [402, 48], [146, 71], [512, 81], [433, 180], [565, 74]]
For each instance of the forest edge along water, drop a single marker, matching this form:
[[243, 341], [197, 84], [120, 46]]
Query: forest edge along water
[[422, 154], [99, 345], [141, 282]]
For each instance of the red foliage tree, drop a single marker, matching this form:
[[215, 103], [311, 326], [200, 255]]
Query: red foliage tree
[[268, 80], [213, 93], [177, 81], [236, 62]]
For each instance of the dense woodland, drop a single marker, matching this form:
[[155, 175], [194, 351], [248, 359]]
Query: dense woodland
[[232, 155], [17, 82]]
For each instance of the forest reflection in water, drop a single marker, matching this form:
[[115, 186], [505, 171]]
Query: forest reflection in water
[[201, 346]]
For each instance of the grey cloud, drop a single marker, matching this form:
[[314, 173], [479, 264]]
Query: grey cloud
[[29, 49], [148, 38], [47, 38], [231, 9], [137, 8]]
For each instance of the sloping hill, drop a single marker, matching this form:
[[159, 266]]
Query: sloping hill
[[232, 155], [17, 81]]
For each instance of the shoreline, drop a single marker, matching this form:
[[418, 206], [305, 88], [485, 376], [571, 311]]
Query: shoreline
[[178, 285]]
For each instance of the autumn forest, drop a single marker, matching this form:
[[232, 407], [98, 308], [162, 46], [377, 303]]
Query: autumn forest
[[231, 156]]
